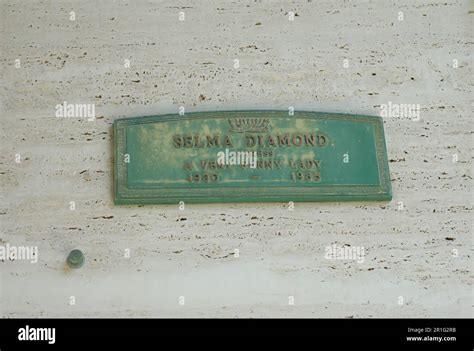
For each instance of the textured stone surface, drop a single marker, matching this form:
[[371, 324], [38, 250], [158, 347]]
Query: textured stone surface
[[190, 63]]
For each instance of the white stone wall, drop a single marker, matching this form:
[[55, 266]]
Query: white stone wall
[[418, 246]]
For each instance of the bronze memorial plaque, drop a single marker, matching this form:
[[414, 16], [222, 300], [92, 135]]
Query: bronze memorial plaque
[[250, 156]]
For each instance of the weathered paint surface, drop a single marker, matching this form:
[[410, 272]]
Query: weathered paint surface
[[310, 157]]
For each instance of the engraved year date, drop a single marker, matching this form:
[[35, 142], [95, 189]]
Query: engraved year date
[[305, 176], [203, 178]]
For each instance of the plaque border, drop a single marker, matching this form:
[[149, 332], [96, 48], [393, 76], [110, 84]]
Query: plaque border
[[123, 195]]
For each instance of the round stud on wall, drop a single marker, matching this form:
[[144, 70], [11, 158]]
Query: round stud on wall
[[75, 259]]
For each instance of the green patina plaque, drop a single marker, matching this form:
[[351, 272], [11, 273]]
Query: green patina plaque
[[250, 156]]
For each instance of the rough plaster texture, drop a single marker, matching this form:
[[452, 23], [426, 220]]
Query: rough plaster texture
[[190, 63]]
